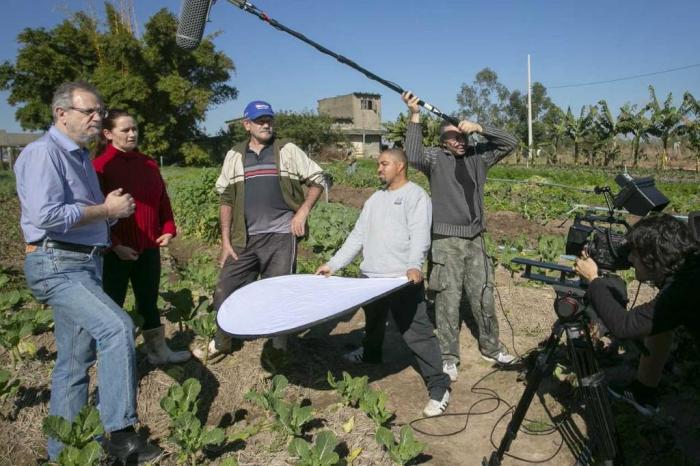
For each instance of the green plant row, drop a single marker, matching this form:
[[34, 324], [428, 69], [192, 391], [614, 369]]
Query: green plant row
[[355, 392]]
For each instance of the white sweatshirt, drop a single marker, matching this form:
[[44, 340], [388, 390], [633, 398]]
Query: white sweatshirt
[[393, 233]]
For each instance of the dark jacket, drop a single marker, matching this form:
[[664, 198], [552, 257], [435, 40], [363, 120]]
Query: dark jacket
[[458, 197], [676, 304]]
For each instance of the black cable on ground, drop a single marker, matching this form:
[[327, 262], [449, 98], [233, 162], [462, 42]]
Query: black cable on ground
[[491, 395]]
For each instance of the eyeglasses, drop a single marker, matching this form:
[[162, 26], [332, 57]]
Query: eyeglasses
[[89, 112], [453, 137]]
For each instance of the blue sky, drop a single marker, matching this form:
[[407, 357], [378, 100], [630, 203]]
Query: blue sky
[[428, 47]]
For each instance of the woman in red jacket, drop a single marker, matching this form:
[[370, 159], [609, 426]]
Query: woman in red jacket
[[135, 254]]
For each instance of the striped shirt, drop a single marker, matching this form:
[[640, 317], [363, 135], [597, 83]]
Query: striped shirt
[[265, 209]]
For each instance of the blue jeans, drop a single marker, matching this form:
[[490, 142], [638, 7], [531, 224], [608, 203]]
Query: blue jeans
[[88, 326]]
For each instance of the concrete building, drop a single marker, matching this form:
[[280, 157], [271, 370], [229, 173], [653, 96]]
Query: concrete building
[[359, 117], [11, 144]]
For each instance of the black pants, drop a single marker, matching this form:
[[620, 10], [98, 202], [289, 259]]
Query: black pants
[[409, 310], [267, 255], [144, 274]]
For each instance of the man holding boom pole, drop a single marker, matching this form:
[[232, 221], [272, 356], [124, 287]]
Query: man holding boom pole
[[461, 275]]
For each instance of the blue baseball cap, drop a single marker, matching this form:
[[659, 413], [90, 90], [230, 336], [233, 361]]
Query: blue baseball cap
[[257, 109]]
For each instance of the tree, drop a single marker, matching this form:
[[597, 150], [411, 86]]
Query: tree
[[396, 130], [555, 131], [665, 122], [306, 129], [634, 122], [168, 89], [542, 109], [606, 129], [691, 128], [485, 100], [579, 128]]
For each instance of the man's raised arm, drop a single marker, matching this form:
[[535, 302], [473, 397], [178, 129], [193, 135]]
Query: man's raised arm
[[417, 156]]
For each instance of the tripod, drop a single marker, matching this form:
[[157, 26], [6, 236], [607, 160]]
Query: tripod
[[597, 413]]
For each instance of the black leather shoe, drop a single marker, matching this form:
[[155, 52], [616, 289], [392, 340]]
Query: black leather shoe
[[130, 448]]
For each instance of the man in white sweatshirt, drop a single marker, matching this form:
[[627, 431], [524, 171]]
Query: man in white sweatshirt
[[393, 233]]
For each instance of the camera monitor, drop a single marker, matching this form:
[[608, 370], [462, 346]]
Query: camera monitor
[[639, 195]]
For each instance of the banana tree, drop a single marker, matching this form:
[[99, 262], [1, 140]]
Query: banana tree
[[691, 128], [606, 130], [555, 131], [633, 121], [579, 128], [396, 130], [665, 122]]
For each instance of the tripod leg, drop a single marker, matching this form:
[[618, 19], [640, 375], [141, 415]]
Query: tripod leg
[[544, 365], [594, 391]]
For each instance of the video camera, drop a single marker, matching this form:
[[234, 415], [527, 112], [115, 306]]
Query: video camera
[[606, 244], [603, 237]]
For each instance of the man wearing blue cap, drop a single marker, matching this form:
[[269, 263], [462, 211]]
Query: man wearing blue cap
[[263, 209]]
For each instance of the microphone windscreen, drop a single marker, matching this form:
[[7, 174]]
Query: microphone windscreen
[[190, 27]]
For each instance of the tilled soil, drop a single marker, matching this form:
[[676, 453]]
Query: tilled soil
[[529, 317], [525, 316]]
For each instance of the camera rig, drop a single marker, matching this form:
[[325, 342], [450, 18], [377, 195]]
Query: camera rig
[[603, 236], [573, 316]]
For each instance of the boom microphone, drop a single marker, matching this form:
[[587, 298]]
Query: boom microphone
[[190, 27], [195, 13]]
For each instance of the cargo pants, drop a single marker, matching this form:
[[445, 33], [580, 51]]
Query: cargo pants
[[459, 271]]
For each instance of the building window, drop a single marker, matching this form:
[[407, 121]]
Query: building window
[[367, 104]]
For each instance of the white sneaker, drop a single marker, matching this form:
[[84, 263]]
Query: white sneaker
[[435, 407], [502, 358], [450, 369], [355, 356]]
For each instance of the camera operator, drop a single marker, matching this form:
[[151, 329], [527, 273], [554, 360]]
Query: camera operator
[[662, 251]]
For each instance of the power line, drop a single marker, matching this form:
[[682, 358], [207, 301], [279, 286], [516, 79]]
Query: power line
[[593, 83]]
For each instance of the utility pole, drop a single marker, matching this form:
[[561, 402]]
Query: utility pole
[[529, 113]]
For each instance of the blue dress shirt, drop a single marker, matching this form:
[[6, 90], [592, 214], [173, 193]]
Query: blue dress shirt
[[55, 182]]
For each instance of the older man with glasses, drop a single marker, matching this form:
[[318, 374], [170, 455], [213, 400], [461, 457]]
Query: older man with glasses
[[461, 276], [263, 209], [65, 220]]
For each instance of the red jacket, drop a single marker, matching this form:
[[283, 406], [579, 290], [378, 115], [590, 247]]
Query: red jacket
[[138, 175]]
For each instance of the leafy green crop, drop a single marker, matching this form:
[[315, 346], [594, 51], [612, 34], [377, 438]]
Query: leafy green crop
[[405, 449], [191, 437], [18, 320], [16, 326], [181, 306], [351, 389], [329, 226], [8, 388], [291, 417], [181, 399], [536, 201], [374, 404], [81, 448], [186, 429], [267, 399], [321, 453], [196, 204], [356, 392], [204, 326], [200, 272]]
